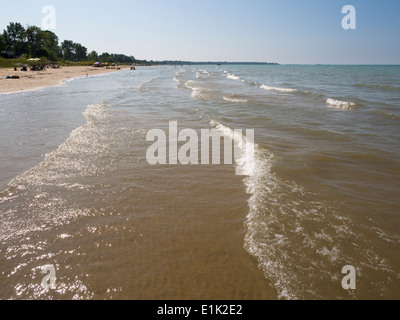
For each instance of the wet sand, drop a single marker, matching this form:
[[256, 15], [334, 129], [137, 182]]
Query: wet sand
[[35, 80]]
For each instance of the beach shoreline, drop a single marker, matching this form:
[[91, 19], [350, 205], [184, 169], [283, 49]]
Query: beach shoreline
[[37, 80]]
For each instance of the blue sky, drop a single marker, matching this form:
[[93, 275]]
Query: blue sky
[[283, 31]]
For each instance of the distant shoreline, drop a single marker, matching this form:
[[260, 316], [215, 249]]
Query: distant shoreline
[[194, 63]]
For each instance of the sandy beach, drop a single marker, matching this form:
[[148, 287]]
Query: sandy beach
[[34, 80]]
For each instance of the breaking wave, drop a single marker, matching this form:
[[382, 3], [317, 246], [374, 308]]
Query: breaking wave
[[343, 105], [235, 99], [277, 89], [232, 77]]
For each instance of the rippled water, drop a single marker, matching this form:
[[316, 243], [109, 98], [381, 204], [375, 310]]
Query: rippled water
[[78, 193]]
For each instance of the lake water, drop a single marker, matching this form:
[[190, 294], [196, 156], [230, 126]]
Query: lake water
[[78, 193]]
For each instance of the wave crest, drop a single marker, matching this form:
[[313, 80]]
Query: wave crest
[[232, 76], [234, 99], [277, 89], [343, 105]]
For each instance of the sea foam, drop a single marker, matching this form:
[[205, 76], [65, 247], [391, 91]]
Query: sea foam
[[277, 89], [244, 159], [235, 100], [343, 105], [232, 76], [197, 91]]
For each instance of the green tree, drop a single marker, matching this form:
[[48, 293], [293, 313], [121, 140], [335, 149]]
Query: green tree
[[93, 56], [14, 37], [73, 51], [35, 41], [67, 49], [50, 45], [80, 52], [105, 57], [116, 58], [3, 46]]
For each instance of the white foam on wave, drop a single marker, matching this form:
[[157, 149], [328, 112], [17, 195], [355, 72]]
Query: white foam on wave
[[277, 89], [191, 84], [294, 259], [300, 240], [244, 159], [277, 233], [232, 76], [235, 100], [85, 153], [197, 91], [85, 141], [343, 105]]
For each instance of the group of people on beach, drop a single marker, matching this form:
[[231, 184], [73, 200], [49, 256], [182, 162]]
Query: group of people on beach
[[40, 67]]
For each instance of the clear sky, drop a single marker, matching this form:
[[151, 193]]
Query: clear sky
[[283, 31]]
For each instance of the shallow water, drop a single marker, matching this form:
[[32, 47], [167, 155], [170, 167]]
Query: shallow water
[[79, 194]]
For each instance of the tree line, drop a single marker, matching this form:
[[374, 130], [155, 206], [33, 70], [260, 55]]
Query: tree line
[[33, 42]]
